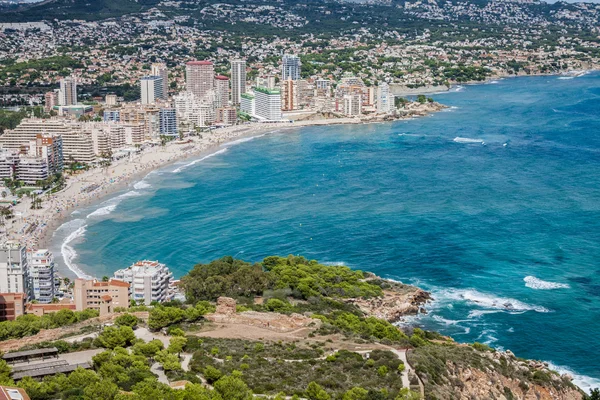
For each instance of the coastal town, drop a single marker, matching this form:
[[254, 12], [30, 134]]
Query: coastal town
[[92, 101]]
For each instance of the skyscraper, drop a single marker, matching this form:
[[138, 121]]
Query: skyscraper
[[290, 67], [222, 91], [151, 89], [67, 95], [383, 98], [160, 69], [238, 80], [199, 77]]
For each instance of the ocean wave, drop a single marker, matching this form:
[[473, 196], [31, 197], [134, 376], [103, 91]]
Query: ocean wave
[[69, 254], [178, 170], [459, 88], [535, 283], [565, 77], [142, 185], [459, 139], [491, 302], [493, 82], [335, 264], [587, 383], [103, 211], [242, 140], [450, 109]]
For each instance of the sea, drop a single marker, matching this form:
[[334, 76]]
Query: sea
[[493, 205]]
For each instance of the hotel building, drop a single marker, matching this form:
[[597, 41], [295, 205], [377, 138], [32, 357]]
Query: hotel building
[[149, 281], [199, 77]]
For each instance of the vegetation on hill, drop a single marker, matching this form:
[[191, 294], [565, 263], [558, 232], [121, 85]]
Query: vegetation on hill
[[29, 324], [62, 65]]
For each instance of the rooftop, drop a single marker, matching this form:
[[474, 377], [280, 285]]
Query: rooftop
[[267, 91], [199, 63]]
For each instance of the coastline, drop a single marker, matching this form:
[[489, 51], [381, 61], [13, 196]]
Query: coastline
[[36, 228]]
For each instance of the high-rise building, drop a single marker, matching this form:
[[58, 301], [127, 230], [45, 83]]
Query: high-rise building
[[238, 81], [149, 281], [160, 69], [383, 98], [14, 269], [101, 296], [41, 267], [168, 121], [289, 95], [290, 67], [51, 100], [12, 306], [67, 95], [352, 105], [221, 91], [152, 89], [248, 104], [199, 77], [112, 116], [267, 104], [227, 115]]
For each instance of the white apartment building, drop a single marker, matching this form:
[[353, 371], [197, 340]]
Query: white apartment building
[[238, 81], [111, 100], [67, 95], [383, 98], [160, 69], [247, 104], [14, 269], [267, 104], [75, 144], [151, 89], [41, 268], [194, 110], [148, 281]]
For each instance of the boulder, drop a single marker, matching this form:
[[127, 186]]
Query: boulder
[[225, 306]]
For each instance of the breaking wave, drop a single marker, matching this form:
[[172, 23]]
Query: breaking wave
[[178, 170], [242, 140], [587, 383], [103, 211], [142, 185], [68, 252], [490, 302], [538, 284], [459, 139]]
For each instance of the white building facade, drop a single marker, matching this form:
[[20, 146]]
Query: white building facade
[[148, 281]]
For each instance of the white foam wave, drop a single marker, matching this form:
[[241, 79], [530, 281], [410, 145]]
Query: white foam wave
[[538, 284], [131, 193], [142, 185], [493, 82], [69, 254], [459, 139], [491, 302], [587, 383], [450, 109], [103, 211], [335, 263], [242, 140], [178, 170], [565, 77], [459, 88]]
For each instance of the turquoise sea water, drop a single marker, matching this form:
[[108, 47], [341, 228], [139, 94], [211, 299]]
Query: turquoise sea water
[[493, 205]]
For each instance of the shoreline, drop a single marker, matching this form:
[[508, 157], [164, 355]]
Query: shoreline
[[57, 209]]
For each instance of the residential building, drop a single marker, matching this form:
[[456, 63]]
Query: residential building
[[13, 393], [41, 271], [48, 147], [267, 104], [112, 116], [67, 95], [238, 81], [221, 91], [14, 269], [289, 95], [199, 77], [290, 67], [149, 281], [160, 69], [322, 88], [9, 160], [76, 145], [383, 98], [193, 110], [151, 89], [247, 104], [50, 100], [267, 81], [12, 305], [226, 115], [168, 121], [101, 296], [352, 105], [111, 100]]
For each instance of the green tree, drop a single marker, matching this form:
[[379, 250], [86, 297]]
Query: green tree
[[407, 394], [105, 390], [211, 374], [176, 345], [356, 393], [314, 391], [127, 320], [113, 337], [233, 388]]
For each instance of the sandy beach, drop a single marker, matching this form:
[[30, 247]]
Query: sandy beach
[[34, 228]]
